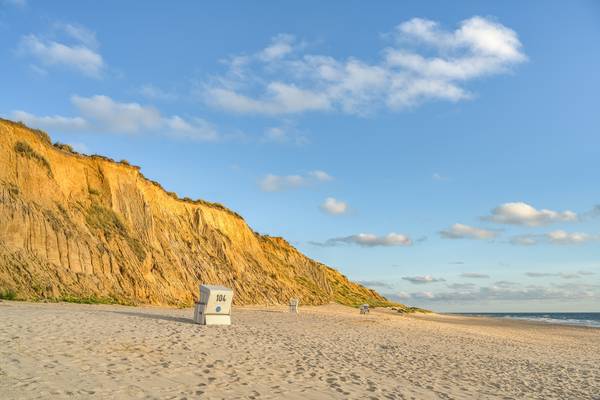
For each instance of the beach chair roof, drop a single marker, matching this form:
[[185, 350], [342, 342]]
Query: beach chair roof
[[216, 287]]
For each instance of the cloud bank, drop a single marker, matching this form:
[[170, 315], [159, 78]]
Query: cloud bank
[[474, 275], [509, 291], [425, 63], [460, 231], [558, 237], [421, 280], [80, 55], [368, 240], [278, 183], [519, 213], [103, 114]]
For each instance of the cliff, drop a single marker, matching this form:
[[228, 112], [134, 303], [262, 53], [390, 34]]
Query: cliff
[[86, 228]]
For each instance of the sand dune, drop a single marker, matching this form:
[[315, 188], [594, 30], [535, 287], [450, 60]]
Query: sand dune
[[97, 351]]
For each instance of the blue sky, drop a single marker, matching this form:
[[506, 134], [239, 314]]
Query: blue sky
[[443, 154]]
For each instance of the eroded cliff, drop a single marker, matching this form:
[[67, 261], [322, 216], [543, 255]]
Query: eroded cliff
[[85, 227]]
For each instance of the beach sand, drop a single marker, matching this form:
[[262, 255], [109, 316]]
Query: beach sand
[[115, 352]]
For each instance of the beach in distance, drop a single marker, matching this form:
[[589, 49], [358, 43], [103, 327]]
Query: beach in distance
[[61, 350]]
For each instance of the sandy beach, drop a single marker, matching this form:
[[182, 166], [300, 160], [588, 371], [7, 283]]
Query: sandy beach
[[100, 351]]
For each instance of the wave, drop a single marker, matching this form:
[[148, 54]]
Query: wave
[[591, 320], [565, 321]]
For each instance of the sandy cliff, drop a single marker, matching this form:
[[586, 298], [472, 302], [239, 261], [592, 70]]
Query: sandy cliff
[[76, 227]]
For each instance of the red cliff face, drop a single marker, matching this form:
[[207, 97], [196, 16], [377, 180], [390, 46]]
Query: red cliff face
[[85, 227]]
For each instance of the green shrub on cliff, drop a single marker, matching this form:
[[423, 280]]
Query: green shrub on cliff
[[105, 219], [100, 217], [25, 150], [8, 294], [65, 147]]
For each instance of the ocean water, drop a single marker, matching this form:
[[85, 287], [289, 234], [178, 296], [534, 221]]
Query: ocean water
[[581, 319]]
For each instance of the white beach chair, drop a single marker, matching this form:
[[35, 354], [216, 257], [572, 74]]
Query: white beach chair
[[214, 307], [364, 309]]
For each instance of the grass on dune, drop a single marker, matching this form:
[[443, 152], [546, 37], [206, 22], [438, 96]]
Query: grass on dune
[[8, 294]]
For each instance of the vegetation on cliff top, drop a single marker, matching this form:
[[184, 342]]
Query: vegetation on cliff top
[[69, 149]]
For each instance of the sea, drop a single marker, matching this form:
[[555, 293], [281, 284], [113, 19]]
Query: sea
[[590, 319]]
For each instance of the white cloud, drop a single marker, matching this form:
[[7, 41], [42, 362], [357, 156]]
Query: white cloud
[[118, 117], [421, 280], [519, 213], [51, 53], [461, 286], [460, 231], [399, 296], [80, 34], [481, 36], [334, 207], [277, 183], [514, 292], [586, 273], [285, 133], [412, 92], [282, 79], [539, 274], [55, 122], [105, 115], [524, 240], [562, 237], [554, 237], [422, 295], [564, 275], [280, 98], [321, 176], [281, 45], [194, 129], [474, 275], [489, 48], [369, 240], [506, 284]]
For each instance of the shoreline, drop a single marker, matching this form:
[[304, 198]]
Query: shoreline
[[521, 320]]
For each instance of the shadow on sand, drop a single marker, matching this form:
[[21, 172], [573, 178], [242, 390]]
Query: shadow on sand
[[155, 316]]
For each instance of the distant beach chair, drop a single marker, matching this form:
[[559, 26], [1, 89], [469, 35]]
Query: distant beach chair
[[294, 303], [364, 309]]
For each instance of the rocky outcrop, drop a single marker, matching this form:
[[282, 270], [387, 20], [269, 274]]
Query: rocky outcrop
[[86, 227]]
